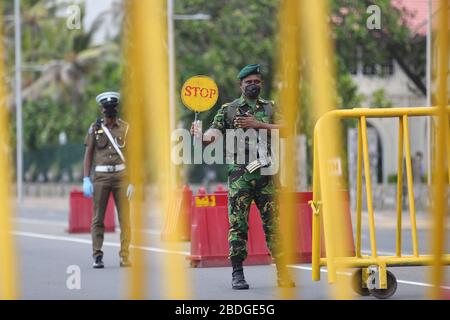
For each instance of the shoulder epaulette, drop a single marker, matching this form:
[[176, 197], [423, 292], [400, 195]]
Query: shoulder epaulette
[[128, 126], [267, 101], [124, 122]]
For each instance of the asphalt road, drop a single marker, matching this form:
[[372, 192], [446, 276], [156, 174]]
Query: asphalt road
[[46, 254]]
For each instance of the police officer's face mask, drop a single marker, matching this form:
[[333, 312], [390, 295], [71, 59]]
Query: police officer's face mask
[[110, 113], [252, 91], [110, 110]]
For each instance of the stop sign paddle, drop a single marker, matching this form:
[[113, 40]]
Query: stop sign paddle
[[199, 93]]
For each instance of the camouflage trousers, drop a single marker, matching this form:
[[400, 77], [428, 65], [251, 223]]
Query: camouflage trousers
[[243, 188]]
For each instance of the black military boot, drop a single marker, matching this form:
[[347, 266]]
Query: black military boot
[[283, 278], [98, 262], [238, 281]]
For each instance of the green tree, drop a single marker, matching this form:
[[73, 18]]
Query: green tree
[[236, 35], [379, 100], [62, 72], [356, 42]]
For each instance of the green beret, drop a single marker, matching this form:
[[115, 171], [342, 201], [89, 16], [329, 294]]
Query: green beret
[[248, 70]]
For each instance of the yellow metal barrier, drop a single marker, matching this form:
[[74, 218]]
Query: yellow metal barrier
[[373, 278], [439, 204], [8, 265]]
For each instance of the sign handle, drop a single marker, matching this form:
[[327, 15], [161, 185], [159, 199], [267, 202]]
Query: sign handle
[[196, 114]]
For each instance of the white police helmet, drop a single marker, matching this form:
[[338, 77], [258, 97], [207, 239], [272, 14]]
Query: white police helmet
[[109, 97]]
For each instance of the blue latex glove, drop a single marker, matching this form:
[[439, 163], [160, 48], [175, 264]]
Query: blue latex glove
[[88, 188], [130, 191]]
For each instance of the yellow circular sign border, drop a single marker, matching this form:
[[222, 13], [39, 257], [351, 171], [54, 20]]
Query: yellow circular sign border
[[193, 108]]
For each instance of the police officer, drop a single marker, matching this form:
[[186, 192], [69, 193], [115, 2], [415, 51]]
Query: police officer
[[245, 184], [105, 143]]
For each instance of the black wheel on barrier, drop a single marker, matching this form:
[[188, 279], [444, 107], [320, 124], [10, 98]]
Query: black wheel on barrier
[[389, 291], [357, 283]]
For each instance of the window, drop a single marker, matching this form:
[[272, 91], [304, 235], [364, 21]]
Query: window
[[387, 68], [352, 66], [369, 69]]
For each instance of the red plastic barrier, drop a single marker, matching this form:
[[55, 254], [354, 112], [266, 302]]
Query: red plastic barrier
[[209, 232], [303, 244], [221, 189], [81, 211]]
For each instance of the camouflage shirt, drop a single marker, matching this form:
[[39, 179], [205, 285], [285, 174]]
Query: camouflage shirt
[[221, 121]]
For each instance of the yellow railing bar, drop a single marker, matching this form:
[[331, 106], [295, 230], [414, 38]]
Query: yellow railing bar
[[382, 272], [318, 51], [440, 190], [135, 46], [8, 267], [412, 207], [330, 234], [288, 75], [398, 246], [447, 134], [366, 261], [382, 112], [359, 193], [147, 99], [373, 244], [316, 220]]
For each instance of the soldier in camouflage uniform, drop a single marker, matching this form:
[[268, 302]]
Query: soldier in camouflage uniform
[[249, 111]]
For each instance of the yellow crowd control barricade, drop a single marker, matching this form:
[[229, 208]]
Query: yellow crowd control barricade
[[372, 276]]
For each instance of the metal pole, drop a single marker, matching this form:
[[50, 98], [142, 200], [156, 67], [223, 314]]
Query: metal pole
[[429, 102], [18, 92], [359, 192], [373, 238], [171, 17], [409, 179], [398, 250]]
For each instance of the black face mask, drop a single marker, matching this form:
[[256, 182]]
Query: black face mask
[[110, 112], [252, 91]]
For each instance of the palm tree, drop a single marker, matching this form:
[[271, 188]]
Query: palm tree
[[58, 60]]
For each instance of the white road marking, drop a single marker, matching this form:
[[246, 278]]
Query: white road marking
[[385, 253], [184, 253], [88, 241], [64, 224], [41, 222], [154, 232], [420, 284]]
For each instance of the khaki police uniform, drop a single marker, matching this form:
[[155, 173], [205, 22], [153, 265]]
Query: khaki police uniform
[[109, 178]]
